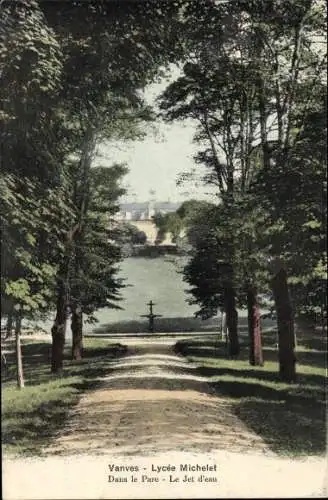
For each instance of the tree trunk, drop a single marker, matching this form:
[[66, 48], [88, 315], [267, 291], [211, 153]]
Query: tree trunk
[[9, 326], [19, 359], [232, 321], [254, 328], [285, 324], [223, 325], [263, 122], [58, 332], [77, 333]]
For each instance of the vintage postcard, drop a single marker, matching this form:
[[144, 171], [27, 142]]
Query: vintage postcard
[[163, 206]]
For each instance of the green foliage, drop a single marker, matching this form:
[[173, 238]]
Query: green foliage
[[225, 251], [70, 78], [33, 204], [296, 226], [254, 72], [128, 235], [170, 223], [94, 252], [30, 246], [31, 66], [176, 223]]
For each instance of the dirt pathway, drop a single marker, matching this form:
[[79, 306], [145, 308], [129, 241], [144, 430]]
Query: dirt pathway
[[153, 401], [151, 411]]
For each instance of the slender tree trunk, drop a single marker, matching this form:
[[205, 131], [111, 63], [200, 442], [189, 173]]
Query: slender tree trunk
[[19, 359], [263, 122], [217, 164], [223, 325], [285, 324], [9, 326], [232, 321], [77, 333], [58, 331], [254, 328], [81, 199]]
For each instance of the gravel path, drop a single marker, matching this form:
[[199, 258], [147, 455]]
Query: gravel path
[[153, 401]]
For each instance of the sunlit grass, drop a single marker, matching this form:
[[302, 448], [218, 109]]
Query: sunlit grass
[[269, 366], [289, 417], [32, 416]]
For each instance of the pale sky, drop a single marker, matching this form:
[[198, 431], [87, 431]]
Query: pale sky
[[156, 162]]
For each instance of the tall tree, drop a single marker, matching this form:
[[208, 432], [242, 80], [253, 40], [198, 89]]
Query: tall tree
[[220, 99], [289, 57], [31, 65], [110, 53], [19, 358], [236, 86], [93, 281]]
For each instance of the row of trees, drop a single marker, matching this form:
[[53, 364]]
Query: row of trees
[[251, 78], [71, 76], [254, 84]]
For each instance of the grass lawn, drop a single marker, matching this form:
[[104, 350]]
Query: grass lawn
[[291, 418], [32, 416]]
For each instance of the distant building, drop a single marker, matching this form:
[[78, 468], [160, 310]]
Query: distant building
[[144, 211], [140, 215]]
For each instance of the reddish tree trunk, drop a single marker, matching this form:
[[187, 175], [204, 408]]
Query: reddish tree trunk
[[58, 332], [77, 333], [232, 321], [254, 328], [285, 324]]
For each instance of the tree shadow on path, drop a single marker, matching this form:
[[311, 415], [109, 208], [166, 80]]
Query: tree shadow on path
[[152, 401], [290, 418]]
